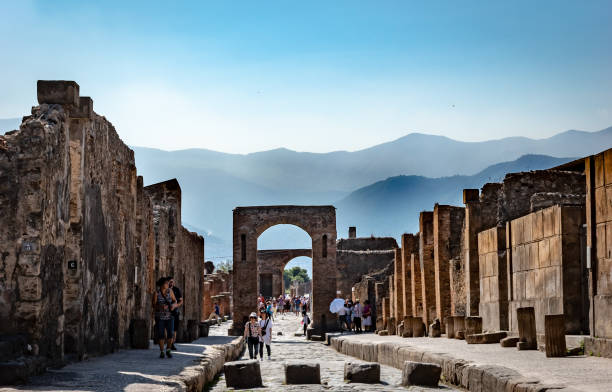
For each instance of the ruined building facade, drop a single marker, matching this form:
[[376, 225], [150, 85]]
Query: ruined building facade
[[80, 242]]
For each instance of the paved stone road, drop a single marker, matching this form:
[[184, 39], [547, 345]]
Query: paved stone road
[[127, 370], [292, 348]]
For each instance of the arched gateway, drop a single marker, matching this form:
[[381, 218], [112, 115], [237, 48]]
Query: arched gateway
[[319, 222], [270, 266]]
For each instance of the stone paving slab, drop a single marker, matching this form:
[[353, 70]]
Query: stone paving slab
[[581, 373], [290, 348], [192, 366]]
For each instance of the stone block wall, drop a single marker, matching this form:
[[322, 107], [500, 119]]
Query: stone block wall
[[189, 277], [356, 257], [598, 169], [493, 279], [546, 263]]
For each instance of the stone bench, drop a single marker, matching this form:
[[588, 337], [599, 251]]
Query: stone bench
[[302, 373], [485, 338], [242, 374]]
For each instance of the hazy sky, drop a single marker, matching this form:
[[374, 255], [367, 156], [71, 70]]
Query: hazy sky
[[316, 76]]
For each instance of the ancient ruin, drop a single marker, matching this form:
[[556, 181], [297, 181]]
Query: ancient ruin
[[319, 222], [82, 242]]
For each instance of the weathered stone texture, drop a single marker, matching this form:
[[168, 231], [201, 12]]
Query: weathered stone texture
[[319, 222], [493, 279], [427, 267], [77, 239], [356, 257], [546, 266], [447, 227], [410, 246]]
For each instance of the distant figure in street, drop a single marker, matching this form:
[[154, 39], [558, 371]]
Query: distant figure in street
[[164, 303], [265, 325], [305, 321], [367, 315], [342, 317], [252, 332], [217, 310], [176, 313], [357, 314]]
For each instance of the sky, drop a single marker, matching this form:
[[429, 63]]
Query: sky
[[318, 76]]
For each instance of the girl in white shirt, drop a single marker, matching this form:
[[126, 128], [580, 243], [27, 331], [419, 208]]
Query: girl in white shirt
[[265, 325]]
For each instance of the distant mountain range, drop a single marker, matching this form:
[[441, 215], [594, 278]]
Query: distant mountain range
[[391, 207], [380, 189]]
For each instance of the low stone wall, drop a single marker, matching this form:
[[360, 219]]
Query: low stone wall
[[194, 378], [456, 371]]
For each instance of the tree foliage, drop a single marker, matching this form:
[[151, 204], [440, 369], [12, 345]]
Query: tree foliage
[[295, 274]]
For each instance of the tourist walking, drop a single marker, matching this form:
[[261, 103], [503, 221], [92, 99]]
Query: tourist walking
[[357, 314], [265, 325], [164, 303], [217, 310], [342, 317], [348, 305], [176, 313], [252, 332], [367, 315], [305, 321]]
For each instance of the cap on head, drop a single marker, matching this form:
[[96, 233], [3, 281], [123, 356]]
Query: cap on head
[[253, 315]]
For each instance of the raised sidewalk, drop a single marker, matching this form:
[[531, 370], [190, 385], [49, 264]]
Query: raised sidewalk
[[193, 366], [483, 367]]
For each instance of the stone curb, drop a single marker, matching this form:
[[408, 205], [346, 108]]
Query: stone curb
[[456, 371], [194, 378]]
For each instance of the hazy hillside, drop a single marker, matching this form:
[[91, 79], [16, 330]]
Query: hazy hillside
[[342, 171], [391, 207]]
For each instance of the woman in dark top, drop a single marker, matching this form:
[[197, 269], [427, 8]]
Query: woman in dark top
[[164, 302]]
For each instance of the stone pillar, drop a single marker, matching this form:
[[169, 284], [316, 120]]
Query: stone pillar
[[386, 312], [527, 329], [427, 266], [416, 286], [459, 327], [473, 325], [470, 250], [554, 334], [410, 245], [447, 227], [352, 232], [398, 286]]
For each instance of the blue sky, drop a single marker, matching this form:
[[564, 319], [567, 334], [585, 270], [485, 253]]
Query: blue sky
[[316, 76]]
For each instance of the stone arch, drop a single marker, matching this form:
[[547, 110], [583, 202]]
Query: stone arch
[[272, 262], [250, 223]]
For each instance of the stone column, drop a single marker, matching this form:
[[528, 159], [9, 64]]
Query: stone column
[[427, 266], [398, 285], [416, 286], [470, 249], [410, 245]]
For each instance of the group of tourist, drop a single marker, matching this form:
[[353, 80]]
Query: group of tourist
[[257, 333], [284, 304], [166, 306], [355, 316]]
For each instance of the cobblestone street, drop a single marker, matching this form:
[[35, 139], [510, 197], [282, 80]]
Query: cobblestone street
[[287, 348]]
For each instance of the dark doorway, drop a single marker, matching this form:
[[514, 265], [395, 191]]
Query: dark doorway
[[265, 284]]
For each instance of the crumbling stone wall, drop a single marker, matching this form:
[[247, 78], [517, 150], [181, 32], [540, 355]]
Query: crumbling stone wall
[[189, 275], [83, 245], [546, 263], [374, 287], [493, 279], [34, 215], [78, 244]]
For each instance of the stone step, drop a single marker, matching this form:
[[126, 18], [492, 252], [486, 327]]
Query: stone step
[[485, 338]]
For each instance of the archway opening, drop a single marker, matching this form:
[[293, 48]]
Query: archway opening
[[284, 263]]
